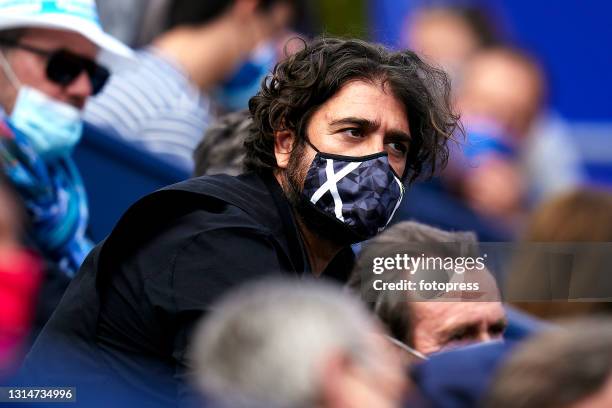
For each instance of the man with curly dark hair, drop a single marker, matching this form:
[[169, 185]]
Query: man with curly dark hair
[[338, 129]]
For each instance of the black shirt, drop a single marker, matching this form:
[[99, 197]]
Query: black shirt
[[127, 318]]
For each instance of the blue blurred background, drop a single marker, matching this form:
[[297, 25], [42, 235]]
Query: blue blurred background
[[571, 38], [572, 41]]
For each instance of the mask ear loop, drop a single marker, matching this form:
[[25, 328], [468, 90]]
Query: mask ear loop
[[407, 348], [311, 145], [8, 71]]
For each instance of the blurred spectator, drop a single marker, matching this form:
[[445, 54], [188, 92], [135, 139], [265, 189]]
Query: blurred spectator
[[517, 152], [47, 72], [569, 367], [337, 131], [222, 150], [581, 219], [506, 87], [501, 99], [426, 323], [218, 49], [20, 277], [448, 35], [307, 345]]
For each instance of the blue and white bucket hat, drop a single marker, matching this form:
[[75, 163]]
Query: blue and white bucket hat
[[80, 16]]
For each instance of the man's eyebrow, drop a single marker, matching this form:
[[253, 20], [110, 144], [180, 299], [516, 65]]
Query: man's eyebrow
[[370, 124], [398, 135], [352, 120], [467, 325]]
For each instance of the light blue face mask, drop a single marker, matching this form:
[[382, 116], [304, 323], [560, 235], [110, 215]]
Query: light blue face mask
[[52, 128], [235, 92]]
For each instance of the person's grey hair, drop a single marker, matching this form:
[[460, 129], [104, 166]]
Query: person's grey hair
[[556, 368], [265, 341], [414, 239], [222, 150]]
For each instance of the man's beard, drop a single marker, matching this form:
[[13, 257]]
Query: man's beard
[[323, 226]]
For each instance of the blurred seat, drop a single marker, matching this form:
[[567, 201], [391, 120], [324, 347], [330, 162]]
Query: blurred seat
[[116, 173]]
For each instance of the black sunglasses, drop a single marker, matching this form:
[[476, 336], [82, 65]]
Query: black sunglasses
[[63, 66]]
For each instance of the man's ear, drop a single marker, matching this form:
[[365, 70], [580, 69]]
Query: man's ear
[[284, 141]]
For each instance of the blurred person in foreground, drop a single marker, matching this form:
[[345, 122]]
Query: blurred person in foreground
[[562, 269], [569, 367], [308, 345], [428, 321], [214, 50], [20, 277], [48, 70], [338, 130]]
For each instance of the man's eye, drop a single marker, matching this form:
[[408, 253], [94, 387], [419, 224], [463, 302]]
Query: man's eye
[[458, 336], [462, 335], [398, 148], [353, 132], [497, 329]]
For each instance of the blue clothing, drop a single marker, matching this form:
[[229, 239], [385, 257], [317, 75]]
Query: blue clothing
[[54, 198], [430, 203], [458, 378], [522, 325]]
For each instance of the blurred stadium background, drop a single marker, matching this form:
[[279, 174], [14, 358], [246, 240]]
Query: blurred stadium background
[[569, 39]]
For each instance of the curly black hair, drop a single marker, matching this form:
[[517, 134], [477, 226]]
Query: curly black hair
[[303, 82]]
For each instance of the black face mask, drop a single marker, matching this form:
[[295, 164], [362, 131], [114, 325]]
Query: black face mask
[[350, 199]]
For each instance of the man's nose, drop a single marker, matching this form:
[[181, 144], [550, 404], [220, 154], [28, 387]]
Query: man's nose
[[79, 90], [485, 335], [376, 144]]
